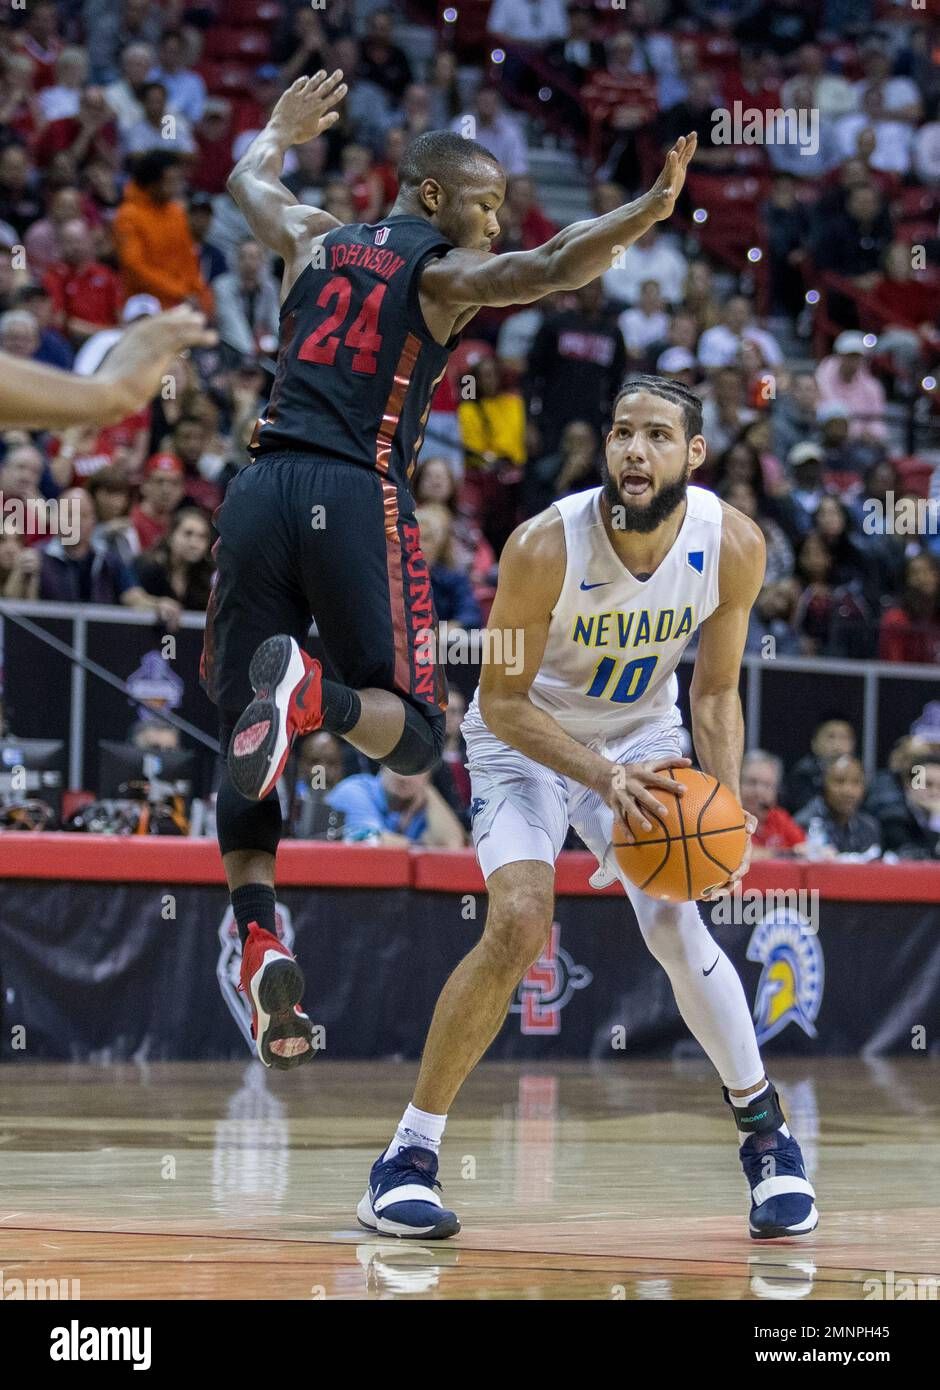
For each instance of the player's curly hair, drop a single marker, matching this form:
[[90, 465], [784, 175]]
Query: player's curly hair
[[442, 155], [688, 402]]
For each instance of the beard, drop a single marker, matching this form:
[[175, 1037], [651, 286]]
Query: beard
[[645, 517]]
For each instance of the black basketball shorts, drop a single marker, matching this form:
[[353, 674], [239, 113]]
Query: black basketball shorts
[[301, 538]]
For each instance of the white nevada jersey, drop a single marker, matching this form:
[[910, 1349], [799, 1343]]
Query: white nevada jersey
[[613, 641]]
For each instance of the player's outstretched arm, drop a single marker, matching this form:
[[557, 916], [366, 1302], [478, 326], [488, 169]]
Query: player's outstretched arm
[[275, 217], [575, 256], [33, 396], [714, 696]]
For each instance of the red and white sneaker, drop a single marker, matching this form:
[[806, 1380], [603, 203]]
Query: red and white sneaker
[[274, 982], [288, 685]]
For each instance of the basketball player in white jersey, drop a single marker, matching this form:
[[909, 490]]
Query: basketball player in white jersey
[[606, 588]]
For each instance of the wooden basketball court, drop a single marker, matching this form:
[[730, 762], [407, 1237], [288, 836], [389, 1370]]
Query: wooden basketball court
[[606, 1181]]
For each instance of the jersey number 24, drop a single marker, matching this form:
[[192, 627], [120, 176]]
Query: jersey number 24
[[362, 334]]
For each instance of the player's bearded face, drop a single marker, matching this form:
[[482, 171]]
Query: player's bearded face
[[658, 501]]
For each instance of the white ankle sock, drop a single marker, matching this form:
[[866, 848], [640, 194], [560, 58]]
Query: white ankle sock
[[417, 1129]]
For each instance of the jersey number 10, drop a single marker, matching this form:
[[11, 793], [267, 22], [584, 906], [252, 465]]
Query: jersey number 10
[[631, 683], [363, 333]]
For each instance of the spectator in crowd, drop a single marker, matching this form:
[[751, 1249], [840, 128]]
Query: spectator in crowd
[[20, 201], [652, 257], [844, 458], [889, 140], [787, 223], [575, 466], [381, 61], [794, 419], [154, 244], [73, 569], [213, 140], [43, 241], [521, 211], [185, 89], [125, 95], [493, 432], [834, 819], [301, 45], [443, 89], [53, 348], [83, 139], [110, 492], [434, 481], [777, 833], [538, 22], [576, 366], [160, 128], [247, 304], [364, 185], [646, 323], [19, 565], [911, 829], [497, 131], [318, 768], [20, 115], [770, 629], [910, 629], [853, 243], [386, 170], [720, 346], [390, 808], [833, 737], [889, 786], [699, 297], [161, 493], [725, 411], [21, 475], [212, 263], [63, 97], [40, 40], [779, 550], [179, 568], [85, 293], [19, 334], [851, 563], [805, 464], [831, 94], [844, 378], [454, 599], [579, 53]]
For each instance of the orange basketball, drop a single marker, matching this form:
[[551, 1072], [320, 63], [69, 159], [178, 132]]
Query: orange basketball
[[695, 846]]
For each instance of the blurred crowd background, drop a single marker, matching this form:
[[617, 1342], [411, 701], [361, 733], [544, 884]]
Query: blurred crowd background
[[797, 290]]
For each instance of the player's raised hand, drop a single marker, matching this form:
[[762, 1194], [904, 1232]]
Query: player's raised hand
[[308, 107], [631, 787], [669, 185], [142, 356]]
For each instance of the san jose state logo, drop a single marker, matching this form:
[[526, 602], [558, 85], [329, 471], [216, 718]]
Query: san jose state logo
[[790, 989], [546, 988], [228, 967]]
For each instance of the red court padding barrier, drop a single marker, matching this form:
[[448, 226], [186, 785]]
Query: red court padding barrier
[[159, 859]]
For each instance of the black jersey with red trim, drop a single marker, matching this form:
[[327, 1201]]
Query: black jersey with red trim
[[357, 366]]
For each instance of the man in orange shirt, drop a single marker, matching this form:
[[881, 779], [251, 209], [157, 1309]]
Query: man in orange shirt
[[154, 244]]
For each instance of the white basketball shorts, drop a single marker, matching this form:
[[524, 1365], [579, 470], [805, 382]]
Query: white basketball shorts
[[521, 810]]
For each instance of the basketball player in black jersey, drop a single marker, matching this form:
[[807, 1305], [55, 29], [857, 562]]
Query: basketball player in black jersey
[[321, 524]]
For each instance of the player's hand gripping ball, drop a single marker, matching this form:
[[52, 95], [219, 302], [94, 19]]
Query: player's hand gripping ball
[[697, 845]]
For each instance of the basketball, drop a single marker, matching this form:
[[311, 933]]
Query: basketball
[[697, 844]]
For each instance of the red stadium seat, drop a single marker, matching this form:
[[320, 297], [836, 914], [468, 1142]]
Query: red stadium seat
[[914, 474], [244, 45], [228, 79], [251, 13]]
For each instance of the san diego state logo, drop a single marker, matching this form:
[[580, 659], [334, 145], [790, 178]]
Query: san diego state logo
[[228, 968], [547, 986], [790, 989]]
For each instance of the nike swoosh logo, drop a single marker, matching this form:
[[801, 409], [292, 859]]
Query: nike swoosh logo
[[711, 967], [599, 585]]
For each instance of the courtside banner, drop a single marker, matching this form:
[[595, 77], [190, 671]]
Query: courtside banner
[[147, 970]]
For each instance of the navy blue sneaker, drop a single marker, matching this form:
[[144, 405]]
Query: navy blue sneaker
[[782, 1198], [402, 1199]]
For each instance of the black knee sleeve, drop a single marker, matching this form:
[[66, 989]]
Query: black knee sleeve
[[421, 742], [241, 823]]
